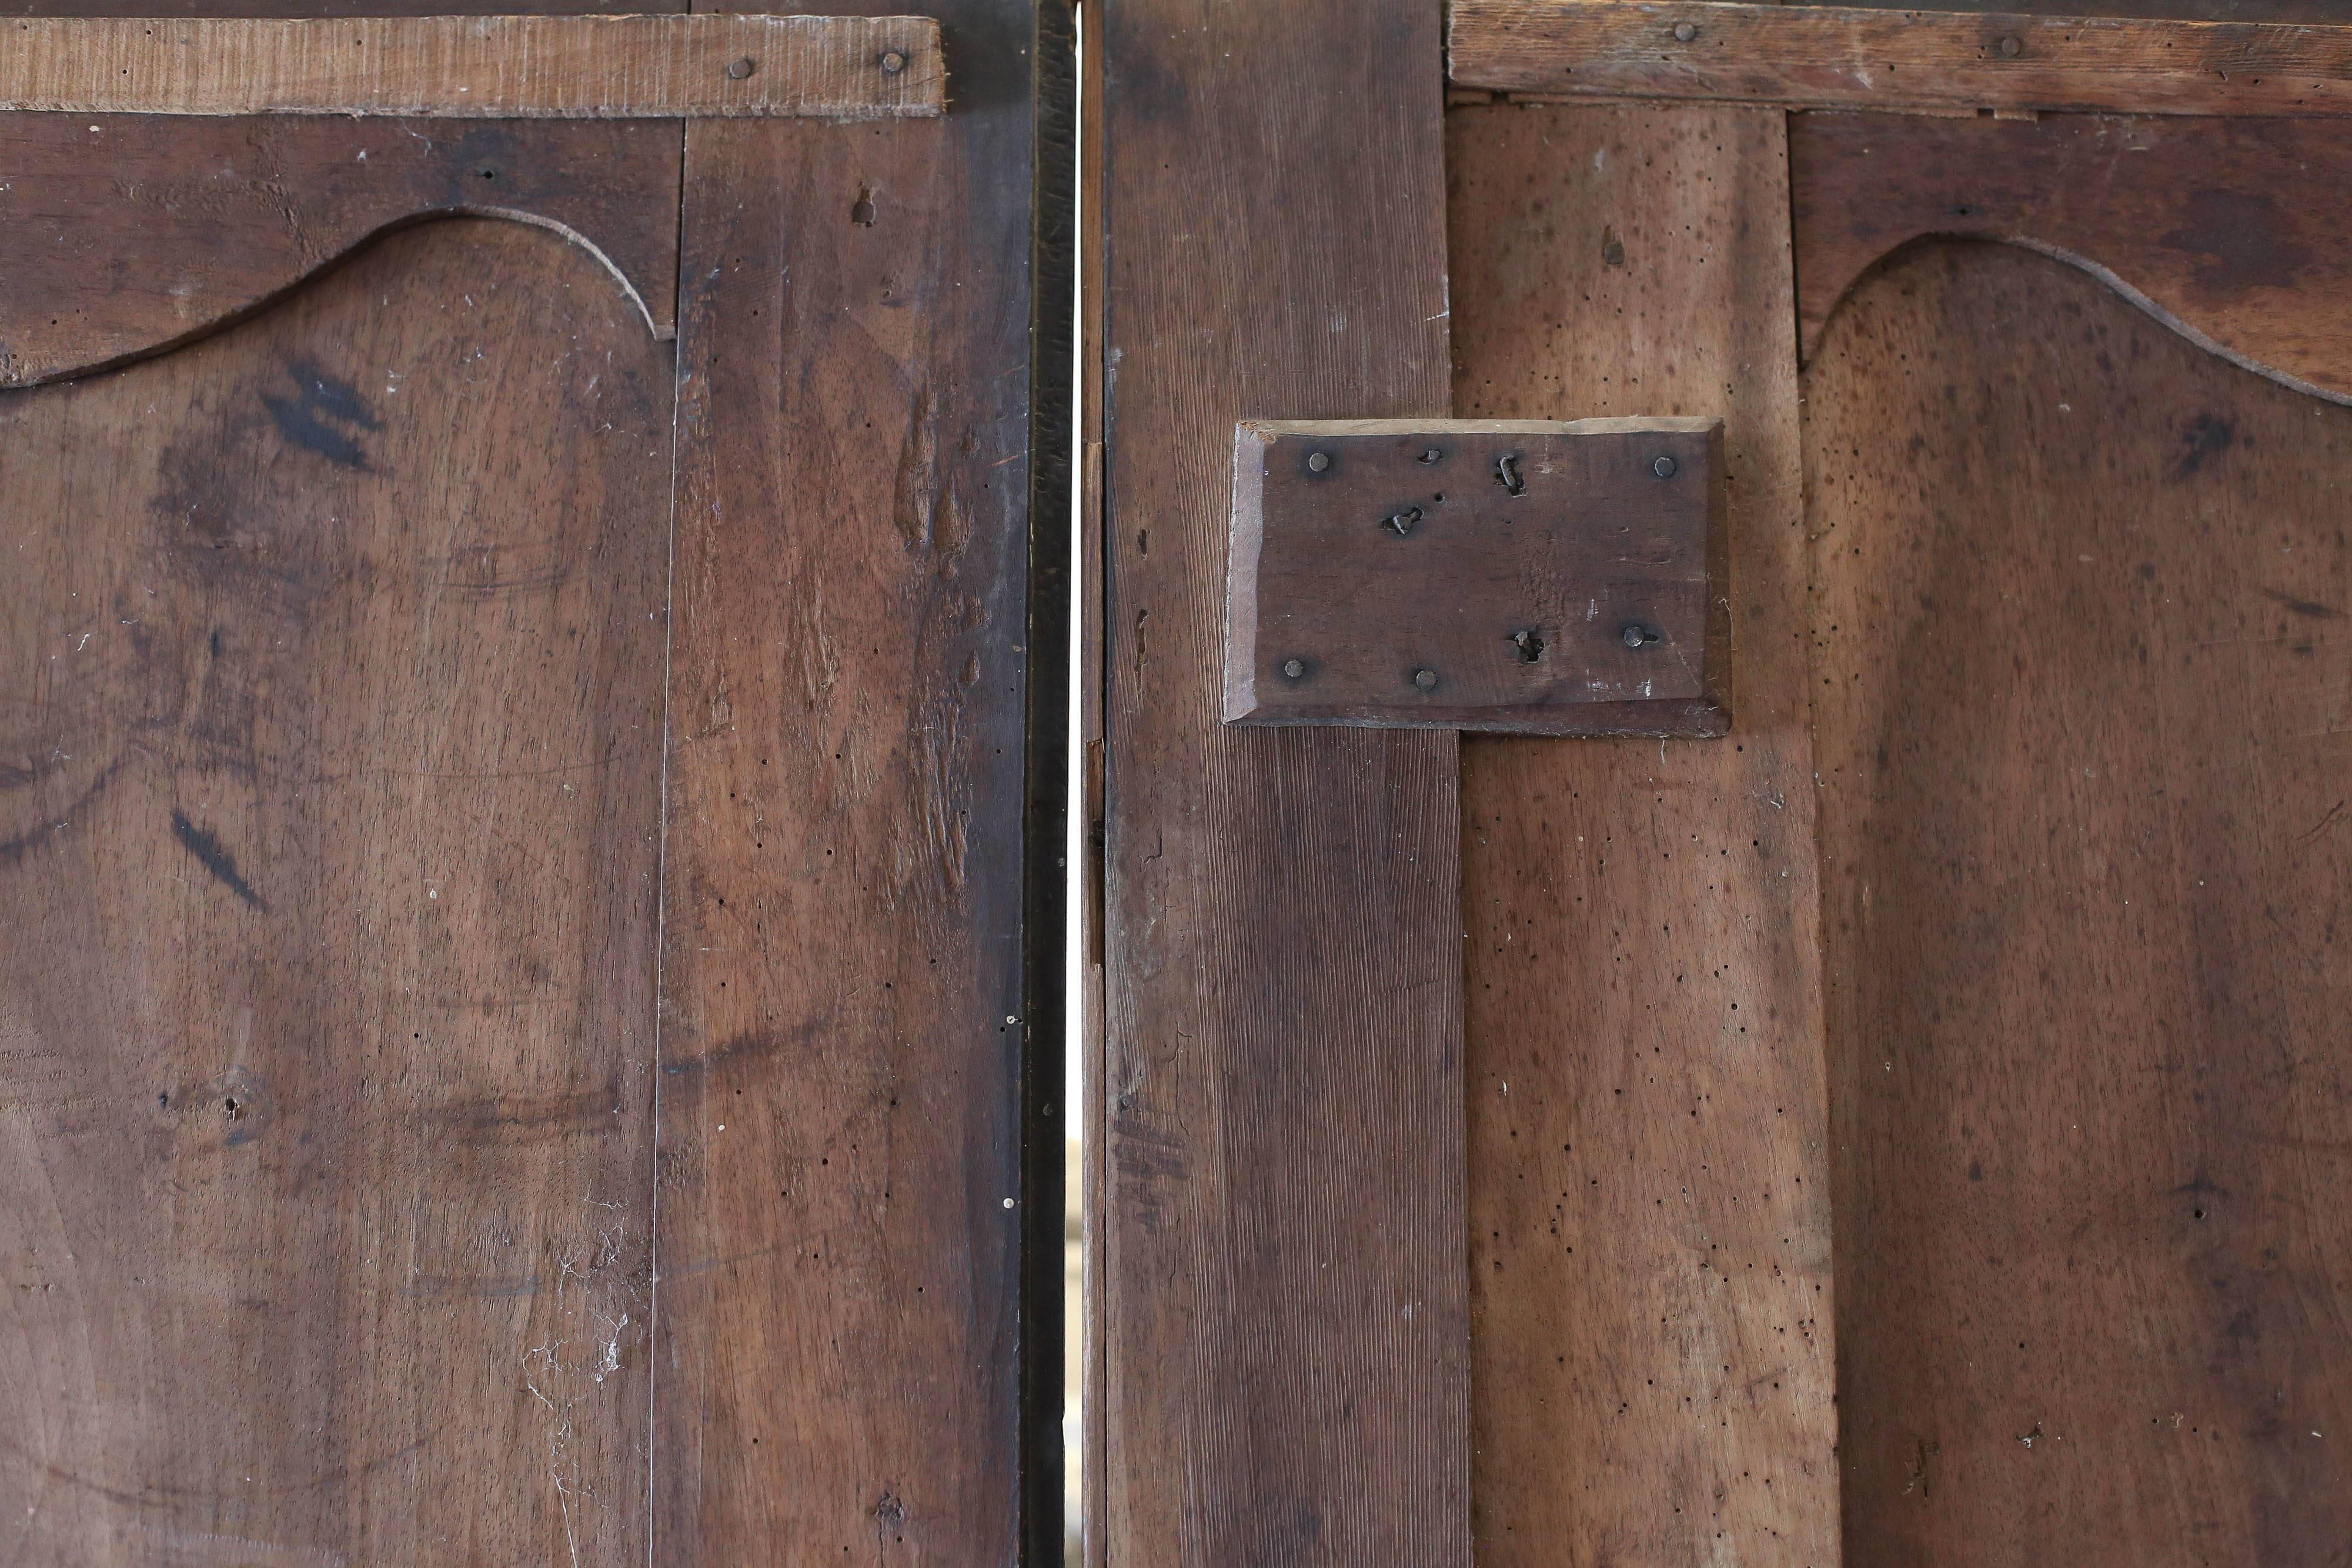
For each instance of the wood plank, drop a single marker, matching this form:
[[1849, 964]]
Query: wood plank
[[2084, 695], [330, 772], [2227, 230], [2321, 11], [843, 985], [1538, 577], [126, 235], [1652, 1321], [1286, 1371], [839, 67], [1829, 56]]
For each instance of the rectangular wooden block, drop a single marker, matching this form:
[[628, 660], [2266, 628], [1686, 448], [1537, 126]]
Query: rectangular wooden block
[[1530, 576]]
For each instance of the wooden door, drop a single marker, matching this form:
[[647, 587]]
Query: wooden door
[[525, 961], [1907, 1129]]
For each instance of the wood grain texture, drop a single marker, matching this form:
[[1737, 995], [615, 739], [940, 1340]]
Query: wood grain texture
[[124, 234], [2227, 230], [330, 761], [1826, 56], [646, 67], [842, 974], [1286, 1366], [2336, 12], [1538, 577], [2084, 698], [1652, 1329]]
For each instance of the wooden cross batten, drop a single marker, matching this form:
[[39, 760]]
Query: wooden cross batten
[[523, 68], [1833, 57]]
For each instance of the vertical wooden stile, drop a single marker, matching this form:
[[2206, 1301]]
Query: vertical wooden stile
[[1285, 1364], [1649, 1194]]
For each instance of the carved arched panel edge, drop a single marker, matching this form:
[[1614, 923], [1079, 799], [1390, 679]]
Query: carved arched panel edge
[[125, 237], [2218, 228]]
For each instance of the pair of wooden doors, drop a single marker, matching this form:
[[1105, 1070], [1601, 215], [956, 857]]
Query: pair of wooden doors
[[533, 766]]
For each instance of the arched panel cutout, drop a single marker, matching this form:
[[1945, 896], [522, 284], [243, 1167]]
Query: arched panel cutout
[[331, 674], [2083, 696], [2186, 217], [121, 236]]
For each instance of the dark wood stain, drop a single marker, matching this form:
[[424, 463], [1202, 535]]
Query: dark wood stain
[[841, 1223], [281, 792], [2228, 228], [1649, 1226], [1282, 1311], [214, 858], [2080, 708]]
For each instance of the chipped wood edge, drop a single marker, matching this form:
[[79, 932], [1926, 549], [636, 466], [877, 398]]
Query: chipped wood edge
[[526, 67], [1822, 56]]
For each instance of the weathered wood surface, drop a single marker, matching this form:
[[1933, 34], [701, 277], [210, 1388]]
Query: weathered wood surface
[[2228, 230], [1541, 576], [1825, 57], [1286, 1372], [2324, 11], [126, 234], [843, 972], [1652, 1336], [330, 772], [646, 67], [2083, 704]]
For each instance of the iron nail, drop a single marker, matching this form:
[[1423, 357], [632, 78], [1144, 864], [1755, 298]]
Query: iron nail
[[893, 62], [1684, 32], [1317, 461], [1638, 637], [1425, 679], [1402, 523], [1664, 467], [2009, 45], [738, 69], [1431, 455], [1293, 668]]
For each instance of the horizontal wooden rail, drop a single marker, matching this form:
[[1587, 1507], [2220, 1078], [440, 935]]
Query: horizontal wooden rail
[[521, 67], [1848, 58]]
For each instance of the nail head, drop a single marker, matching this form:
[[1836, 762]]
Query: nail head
[[738, 69], [2009, 45], [1684, 32], [1425, 679], [893, 62], [1664, 467], [1293, 668], [1317, 461], [1638, 637]]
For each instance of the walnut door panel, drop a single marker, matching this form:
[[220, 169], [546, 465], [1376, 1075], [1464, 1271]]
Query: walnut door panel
[[2082, 704], [329, 806]]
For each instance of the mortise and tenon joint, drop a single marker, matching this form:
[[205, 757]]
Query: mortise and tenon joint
[[1548, 579]]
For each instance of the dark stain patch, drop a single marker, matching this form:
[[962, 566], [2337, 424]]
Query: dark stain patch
[[16, 847], [741, 1048], [215, 858], [2208, 436], [506, 1118], [2243, 242], [308, 419], [2311, 608]]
